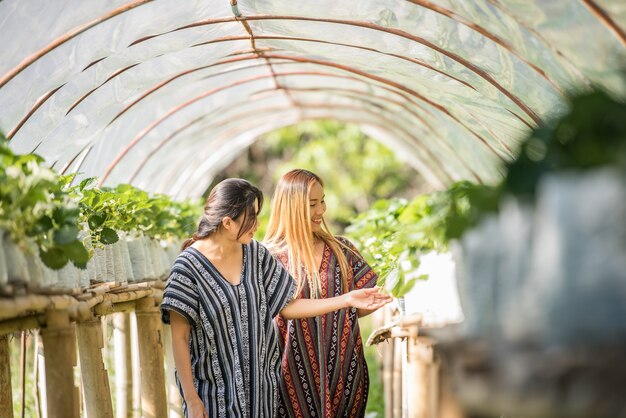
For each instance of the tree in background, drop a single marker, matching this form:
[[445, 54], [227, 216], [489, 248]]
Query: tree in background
[[357, 170]]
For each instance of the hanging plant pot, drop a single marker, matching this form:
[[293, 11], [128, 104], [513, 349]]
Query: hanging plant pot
[[34, 265], [100, 261], [150, 259], [137, 255], [109, 262], [128, 267], [69, 277], [119, 269], [17, 267], [165, 263], [50, 277], [173, 249]]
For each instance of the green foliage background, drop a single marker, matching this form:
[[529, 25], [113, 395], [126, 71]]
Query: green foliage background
[[356, 169]]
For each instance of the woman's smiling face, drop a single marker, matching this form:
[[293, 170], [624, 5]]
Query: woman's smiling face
[[317, 206]]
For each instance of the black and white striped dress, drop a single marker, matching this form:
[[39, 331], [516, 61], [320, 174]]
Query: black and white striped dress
[[233, 342]]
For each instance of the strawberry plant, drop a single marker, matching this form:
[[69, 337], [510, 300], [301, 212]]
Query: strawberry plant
[[34, 205], [393, 233]]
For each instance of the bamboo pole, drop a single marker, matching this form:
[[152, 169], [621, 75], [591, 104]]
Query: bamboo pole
[[30, 304], [174, 399], [153, 398], [21, 324], [397, 379], [40, 377], [94, 375], [6, 396], [23, 373], [60, 356], [115, 302], [388, 351], [136, 372], [419, 368], [123, 365], [80, 306], [447, 402]]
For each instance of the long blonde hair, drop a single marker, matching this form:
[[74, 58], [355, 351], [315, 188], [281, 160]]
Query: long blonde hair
[[289, 230]]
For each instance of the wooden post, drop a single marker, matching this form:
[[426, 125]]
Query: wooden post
[[6, 396], [123, 365], [448, 405], [421, 377], [94, 375], [397, 379], [40, 378], [136, 372], [388, 352], [174, 399], [153, 398], [60, 356]]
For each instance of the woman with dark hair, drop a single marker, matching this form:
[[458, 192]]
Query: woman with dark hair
[[324, 373], [221, 297]]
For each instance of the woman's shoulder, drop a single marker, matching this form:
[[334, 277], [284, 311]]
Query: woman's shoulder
[[346, 242], [185, 255], [257, 248], [185, 266]]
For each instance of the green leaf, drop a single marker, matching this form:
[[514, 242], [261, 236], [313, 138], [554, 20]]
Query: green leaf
[[32, 197], [76, 252], [55, 258], [87, 183], [65, 235], [43, 225], [108, 236], [96, 220], [406, 287], [79, 265]]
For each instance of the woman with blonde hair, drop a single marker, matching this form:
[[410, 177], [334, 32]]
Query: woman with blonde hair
[[324, 373]]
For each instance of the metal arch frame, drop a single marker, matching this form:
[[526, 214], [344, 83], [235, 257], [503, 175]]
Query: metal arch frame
[[366, 121], [342, 92], [319, 62], [455, 57], [234, 59], [120, 71]]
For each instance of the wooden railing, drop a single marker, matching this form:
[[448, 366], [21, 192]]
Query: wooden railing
[[66, 322]]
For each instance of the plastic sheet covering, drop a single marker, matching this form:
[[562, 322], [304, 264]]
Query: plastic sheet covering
[[163, 94]]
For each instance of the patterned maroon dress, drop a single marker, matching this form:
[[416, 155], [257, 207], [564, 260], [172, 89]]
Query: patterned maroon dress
[[324, 373]]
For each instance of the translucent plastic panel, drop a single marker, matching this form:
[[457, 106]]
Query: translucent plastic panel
[[81, 40], [202, 133], [92, 99], [580, 35], [164, 94]]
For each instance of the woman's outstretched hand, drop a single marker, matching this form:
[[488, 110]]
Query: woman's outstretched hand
[[368, 299], [364, 300]]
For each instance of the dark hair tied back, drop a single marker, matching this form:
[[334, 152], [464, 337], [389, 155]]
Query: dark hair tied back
[[230, 198]]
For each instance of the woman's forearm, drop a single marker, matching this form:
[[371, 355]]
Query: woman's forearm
[[182, 357], [362, 299], [306, 308]]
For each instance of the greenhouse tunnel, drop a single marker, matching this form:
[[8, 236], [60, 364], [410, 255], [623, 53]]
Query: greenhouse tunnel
[[165, 94]]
